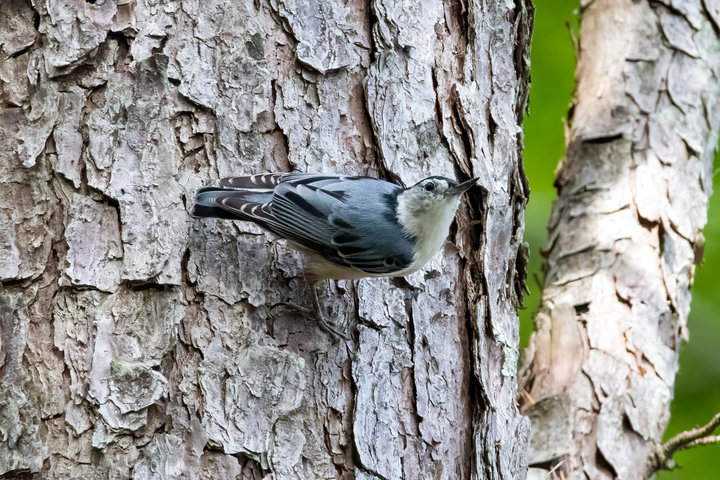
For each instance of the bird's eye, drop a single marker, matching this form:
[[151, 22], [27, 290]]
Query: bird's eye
[[430, 186]]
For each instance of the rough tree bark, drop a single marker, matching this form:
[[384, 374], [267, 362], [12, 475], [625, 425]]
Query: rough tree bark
[[624, 236], [135, 342]]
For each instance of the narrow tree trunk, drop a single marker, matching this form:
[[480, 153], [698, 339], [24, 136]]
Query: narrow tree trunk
[[136, 342], [624, 236]]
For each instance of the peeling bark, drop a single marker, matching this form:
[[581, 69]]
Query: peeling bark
[[136, 342], [624, 236]]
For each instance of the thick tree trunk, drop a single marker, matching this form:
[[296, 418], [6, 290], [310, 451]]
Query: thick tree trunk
[[136, 342], [625, 234]]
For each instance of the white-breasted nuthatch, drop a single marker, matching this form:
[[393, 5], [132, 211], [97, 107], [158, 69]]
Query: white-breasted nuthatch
[[347, 226]]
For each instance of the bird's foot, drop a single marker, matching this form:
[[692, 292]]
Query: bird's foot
[[305, 312], [313, 314]]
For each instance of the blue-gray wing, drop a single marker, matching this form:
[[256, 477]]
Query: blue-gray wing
[[349, 221]]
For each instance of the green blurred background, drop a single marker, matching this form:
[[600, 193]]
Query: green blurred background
[[697, 392]]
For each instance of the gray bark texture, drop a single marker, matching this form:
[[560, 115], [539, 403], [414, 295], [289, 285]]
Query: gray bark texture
[[624, 237], [138, 343]]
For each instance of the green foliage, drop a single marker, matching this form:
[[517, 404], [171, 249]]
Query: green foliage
[[697, 394]]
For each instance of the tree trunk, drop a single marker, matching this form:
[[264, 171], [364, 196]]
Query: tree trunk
[[136, 342], [624, 236]]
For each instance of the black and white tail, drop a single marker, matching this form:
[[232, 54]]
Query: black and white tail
[[242, 194]]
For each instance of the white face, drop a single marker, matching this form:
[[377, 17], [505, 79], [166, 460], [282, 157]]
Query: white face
[[426, 211], [430, 194]]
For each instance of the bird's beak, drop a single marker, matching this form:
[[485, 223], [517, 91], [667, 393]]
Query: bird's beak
[[463, 187]]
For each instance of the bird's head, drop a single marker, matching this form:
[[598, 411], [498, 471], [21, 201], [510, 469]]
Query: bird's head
[[427, 208], [434, 194]]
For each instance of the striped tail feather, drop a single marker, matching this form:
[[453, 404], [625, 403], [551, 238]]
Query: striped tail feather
[[248, 189], [205, 205], [231, 203], [261, 181]]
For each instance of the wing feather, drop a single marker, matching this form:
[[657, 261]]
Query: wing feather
[[310, 210]]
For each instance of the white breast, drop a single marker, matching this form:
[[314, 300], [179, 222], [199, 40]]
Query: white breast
[[430, 225]]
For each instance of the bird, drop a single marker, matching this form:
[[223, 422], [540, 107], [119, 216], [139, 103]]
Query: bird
[[347, 227]]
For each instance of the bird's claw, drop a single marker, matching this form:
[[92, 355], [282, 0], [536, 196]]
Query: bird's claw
[[313, 315]]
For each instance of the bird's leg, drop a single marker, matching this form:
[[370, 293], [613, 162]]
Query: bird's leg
[[314, 314], [305, 312], [320, 315]]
